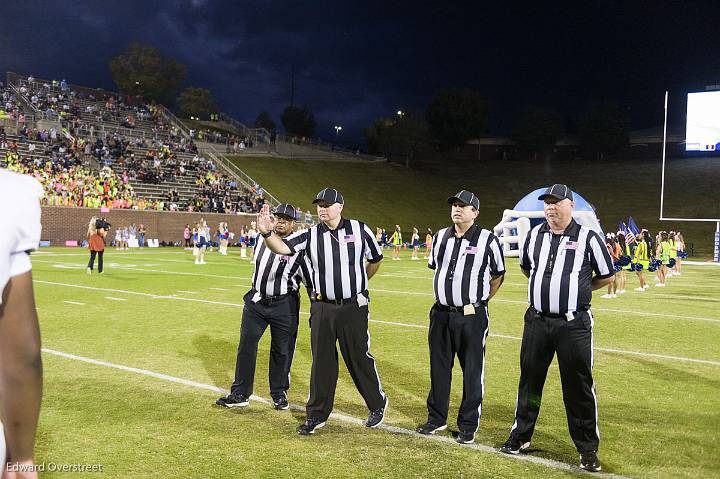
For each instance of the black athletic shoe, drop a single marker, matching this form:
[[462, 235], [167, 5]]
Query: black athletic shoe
[[376, 417], [465, 437], [281, 403], [430, 428], [590, 462], [233, 400], [514, 446], [309, 426]]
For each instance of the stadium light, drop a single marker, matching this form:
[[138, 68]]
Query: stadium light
[[338, 129], [400, 113]]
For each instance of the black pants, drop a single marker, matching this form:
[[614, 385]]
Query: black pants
[[282, 317], [91, 263], [573, 342], [347, 325], [454, 333]]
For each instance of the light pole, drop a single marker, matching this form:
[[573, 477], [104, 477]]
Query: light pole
[[400, 113], [338, 129]]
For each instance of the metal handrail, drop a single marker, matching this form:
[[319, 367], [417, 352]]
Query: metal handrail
[[222, 160]]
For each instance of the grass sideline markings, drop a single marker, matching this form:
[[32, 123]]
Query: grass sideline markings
[[112, 298], [416, 293], [237, 305], [74, 302], [335, 415], [413, 293]]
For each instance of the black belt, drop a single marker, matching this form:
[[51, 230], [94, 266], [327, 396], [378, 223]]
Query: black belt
[[268, 300], [456, 309], [558, 316], [320, 299]]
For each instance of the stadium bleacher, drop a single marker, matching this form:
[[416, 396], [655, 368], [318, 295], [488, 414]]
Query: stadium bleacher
[[88, 136]]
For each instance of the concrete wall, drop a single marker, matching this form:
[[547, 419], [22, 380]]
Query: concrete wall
[[60, 224]]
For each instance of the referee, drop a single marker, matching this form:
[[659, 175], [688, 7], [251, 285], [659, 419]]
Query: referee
[[273, 301], [560, 258], [469, 269], [336, 250]]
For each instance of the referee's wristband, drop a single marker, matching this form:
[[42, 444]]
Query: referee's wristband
[[266, 235]]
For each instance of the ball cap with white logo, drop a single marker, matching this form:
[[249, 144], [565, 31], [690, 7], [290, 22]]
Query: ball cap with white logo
[[557, 191], [286, 210], [330, 196], [466, 197]]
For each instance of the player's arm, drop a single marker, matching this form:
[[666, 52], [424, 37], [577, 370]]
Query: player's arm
[[20, 369]]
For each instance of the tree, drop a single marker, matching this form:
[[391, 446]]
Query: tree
[[197, 102], [455, 116], [143, 70], [604, 129], [264, 120], [298, 121], [538, 130], [399, 137]]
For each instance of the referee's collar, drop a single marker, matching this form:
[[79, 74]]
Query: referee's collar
[[323, 227], [573, 229], [468, 235]]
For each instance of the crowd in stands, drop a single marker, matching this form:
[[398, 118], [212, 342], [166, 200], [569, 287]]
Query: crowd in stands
[[63, 159]]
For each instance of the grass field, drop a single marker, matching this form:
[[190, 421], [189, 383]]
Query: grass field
[[385, 194], [657, 374]]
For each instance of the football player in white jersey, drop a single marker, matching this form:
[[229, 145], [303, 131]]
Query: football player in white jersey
[[20, 362]]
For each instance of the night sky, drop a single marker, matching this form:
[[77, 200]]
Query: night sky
[[356, 61]]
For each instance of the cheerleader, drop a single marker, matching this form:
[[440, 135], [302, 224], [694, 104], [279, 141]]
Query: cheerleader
[[118, 238], [680, 247], [243, 242], [673, 254], [662, 252], [252, 239], [625, 257], [224, 234], [428, 243], [396, 241], [202, 239], [614, 250], [415, 242], [641, 262]]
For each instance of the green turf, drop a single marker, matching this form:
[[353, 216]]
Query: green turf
[[658, 416], [385, 194]]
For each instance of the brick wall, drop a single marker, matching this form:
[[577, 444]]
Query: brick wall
[[70, 223]]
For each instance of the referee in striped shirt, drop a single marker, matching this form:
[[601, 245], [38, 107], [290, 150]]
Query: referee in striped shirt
[[336, 249], [469, 269], [273, 301], [564, 262]]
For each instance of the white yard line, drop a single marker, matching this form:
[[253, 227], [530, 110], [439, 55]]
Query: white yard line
[[336, 415], [74, 302], [111, 298], [240, 305]]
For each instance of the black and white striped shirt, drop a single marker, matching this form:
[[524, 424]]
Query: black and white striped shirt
[[463, 266], [275, 274], [561, 267], [337, 257]]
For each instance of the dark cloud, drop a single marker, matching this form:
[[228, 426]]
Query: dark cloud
[[355, 61]]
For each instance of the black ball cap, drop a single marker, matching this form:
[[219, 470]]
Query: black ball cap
[[330, 196], [558, 191], [466, 197], [286, 210]]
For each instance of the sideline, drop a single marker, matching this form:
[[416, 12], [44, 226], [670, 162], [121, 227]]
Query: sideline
[[407, 325], [338, 416]]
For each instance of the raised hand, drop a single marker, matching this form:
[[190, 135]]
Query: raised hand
[[265, 221]]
